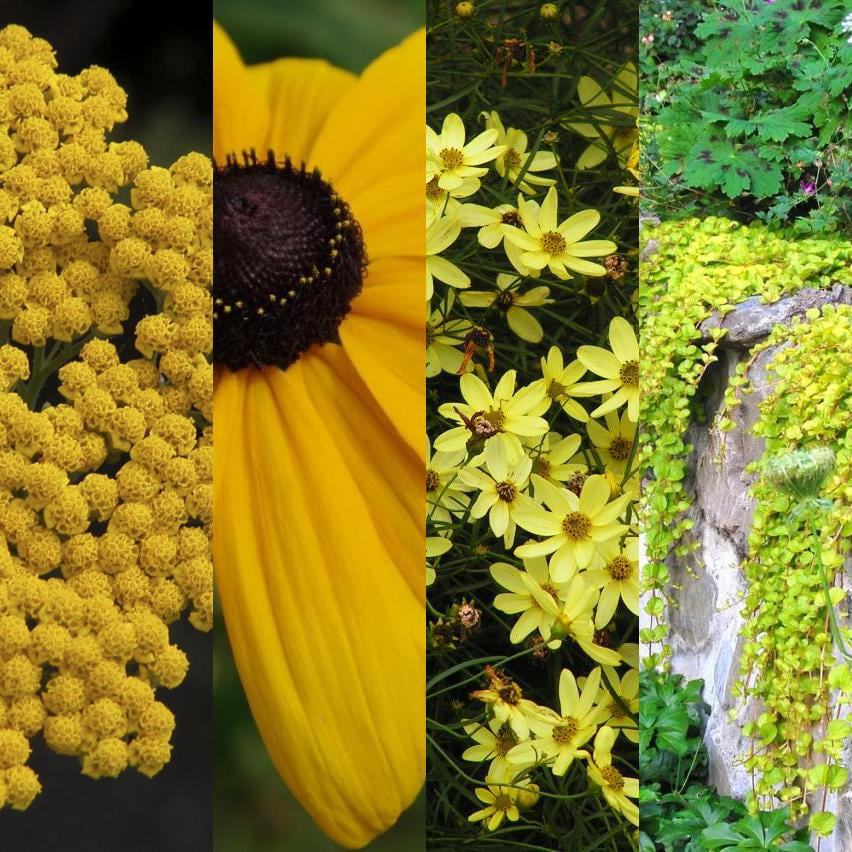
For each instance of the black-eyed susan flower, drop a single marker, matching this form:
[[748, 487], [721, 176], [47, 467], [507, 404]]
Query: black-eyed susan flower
[[319, 405]]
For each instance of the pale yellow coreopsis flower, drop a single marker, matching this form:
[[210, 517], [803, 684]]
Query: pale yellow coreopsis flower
[[500, 490], [613, 443], [450, 160], [614, 786], [559, 246], [554, 460], [623, 98], [440, 235], [521, 597], [513, 303], [560, 380], [614, 714], [493, 742], [504, 415], [501, 801], [618, 579], [575, 526], [560, 736], [443, 337], [619, 369], [515, 158]]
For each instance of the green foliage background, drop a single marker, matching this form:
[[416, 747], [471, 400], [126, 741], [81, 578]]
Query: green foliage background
[[254, 812]]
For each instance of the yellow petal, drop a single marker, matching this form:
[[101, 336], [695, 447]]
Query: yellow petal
[[389, 358], [372, 130], [316, 561], [240, 114], [300, 94]]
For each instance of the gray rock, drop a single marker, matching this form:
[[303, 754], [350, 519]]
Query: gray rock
[[752, 320]]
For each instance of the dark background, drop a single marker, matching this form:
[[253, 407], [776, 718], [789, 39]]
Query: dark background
[[161, 54]]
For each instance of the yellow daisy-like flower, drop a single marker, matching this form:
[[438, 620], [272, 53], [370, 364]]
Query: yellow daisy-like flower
[[507, 703], [500, 490], [443, 337], [444, 489], [503, 416], [619, 369], [623, 99], [493, 742], [440, 235], [575, 526], [319, 450], [515, 159], [616, 789], [559, 246], [490, 221], [451, 161], [618, 579], [559, 736], [522, 598], [614, 714], [513, 303], [614, 444], [502, 801], [553, 461], [559, 382]]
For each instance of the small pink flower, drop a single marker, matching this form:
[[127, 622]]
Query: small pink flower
[[807, 186]]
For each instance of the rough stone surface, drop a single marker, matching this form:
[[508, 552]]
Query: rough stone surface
[[706, 624], [751, 321]]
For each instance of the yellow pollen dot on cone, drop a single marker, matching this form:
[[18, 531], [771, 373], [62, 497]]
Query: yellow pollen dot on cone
[[513, 158], [629, 373], [576, 526], [452, 158], [495, 418], [555, 389], [553, 243], [542, 467], [613, 777]]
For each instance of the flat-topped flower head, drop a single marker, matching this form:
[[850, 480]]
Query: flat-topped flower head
[[559, 246], [619, 368], [515, 159], [450, 160], [618, 578], [560, 380], [559, 737], [289, 260]]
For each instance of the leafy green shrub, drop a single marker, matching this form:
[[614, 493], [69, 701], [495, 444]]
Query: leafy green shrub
[[754, 118], [679, 812]]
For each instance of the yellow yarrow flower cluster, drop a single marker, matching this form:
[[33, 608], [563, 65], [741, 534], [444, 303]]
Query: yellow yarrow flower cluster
[[105, 449]]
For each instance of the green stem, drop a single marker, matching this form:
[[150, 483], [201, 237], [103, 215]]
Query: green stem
[[836, 635]]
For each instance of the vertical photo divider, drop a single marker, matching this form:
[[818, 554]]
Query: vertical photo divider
[[533, 425]]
